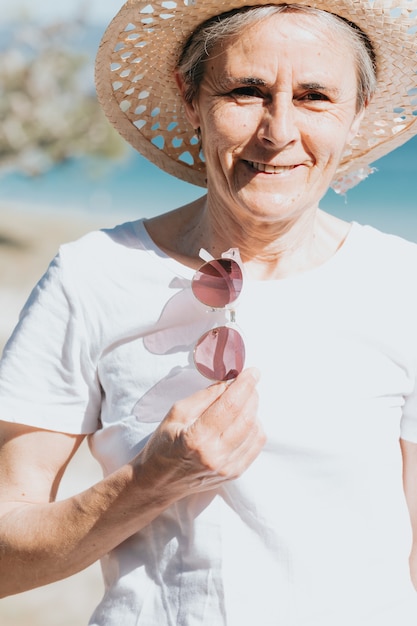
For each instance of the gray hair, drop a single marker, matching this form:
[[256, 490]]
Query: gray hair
[[199, 46]]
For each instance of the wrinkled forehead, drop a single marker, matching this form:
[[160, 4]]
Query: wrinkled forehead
[[283, 42]]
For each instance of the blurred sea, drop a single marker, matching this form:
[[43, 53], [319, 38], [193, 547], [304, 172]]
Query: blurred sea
[[133, 187]]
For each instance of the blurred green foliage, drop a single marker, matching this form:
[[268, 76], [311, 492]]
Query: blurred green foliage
[[48, 107]]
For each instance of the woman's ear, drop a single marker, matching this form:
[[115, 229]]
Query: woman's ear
[[190, 108]]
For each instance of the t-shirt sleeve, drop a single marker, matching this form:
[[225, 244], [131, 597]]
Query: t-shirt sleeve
[[48, 377], [408, 429]]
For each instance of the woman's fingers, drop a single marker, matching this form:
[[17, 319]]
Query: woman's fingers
[[227, 436], [207, 438], [223, 398], [232, 404]]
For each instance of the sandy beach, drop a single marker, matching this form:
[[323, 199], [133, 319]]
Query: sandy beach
[[28, 241]]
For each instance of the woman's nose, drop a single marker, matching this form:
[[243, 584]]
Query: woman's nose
[[278, 125]]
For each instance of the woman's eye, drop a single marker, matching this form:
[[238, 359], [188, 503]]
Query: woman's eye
[[312, 96], [246, 92]]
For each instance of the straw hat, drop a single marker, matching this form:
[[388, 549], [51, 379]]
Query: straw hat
[[137, 90]]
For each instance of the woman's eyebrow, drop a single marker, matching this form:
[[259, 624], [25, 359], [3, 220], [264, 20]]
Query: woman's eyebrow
[[231, 81], [319, 87], [251, 80]]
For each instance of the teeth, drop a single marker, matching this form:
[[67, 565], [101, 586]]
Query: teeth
[[269, 169]]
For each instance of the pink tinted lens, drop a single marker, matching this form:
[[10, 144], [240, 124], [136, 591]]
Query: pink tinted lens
[[218, 283], [220, 354]]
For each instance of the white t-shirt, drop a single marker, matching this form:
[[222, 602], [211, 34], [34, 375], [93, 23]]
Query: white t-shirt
[[316, 532]]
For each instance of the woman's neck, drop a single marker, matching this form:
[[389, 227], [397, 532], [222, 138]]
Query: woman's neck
[[275, 249], [270, 250]]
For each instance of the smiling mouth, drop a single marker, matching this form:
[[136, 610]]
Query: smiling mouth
[[270, 169]]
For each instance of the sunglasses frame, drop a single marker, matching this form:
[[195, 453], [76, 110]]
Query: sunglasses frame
[[234, 335]]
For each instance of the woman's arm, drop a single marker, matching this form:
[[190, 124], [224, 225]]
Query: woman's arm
[[409, 452], [206, 439]]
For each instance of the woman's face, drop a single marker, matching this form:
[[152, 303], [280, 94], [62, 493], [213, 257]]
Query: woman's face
[[276, 108]]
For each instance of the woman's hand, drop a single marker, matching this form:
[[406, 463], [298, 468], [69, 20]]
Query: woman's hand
[[206, 439], [210, 437]]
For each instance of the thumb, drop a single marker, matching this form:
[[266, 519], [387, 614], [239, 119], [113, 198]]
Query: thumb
[[187, 410]]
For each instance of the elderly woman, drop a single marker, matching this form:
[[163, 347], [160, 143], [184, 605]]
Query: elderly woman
[[273, 494]]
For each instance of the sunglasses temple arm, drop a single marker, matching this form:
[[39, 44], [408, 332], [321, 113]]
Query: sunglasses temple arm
[[232, 253], [205, 256]]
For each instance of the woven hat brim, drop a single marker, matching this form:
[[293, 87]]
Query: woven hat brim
[[140, 49]]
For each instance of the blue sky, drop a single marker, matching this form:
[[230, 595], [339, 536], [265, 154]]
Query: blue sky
[[100, 11]]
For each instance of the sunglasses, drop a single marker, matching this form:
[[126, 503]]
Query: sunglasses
[[220, 353]]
